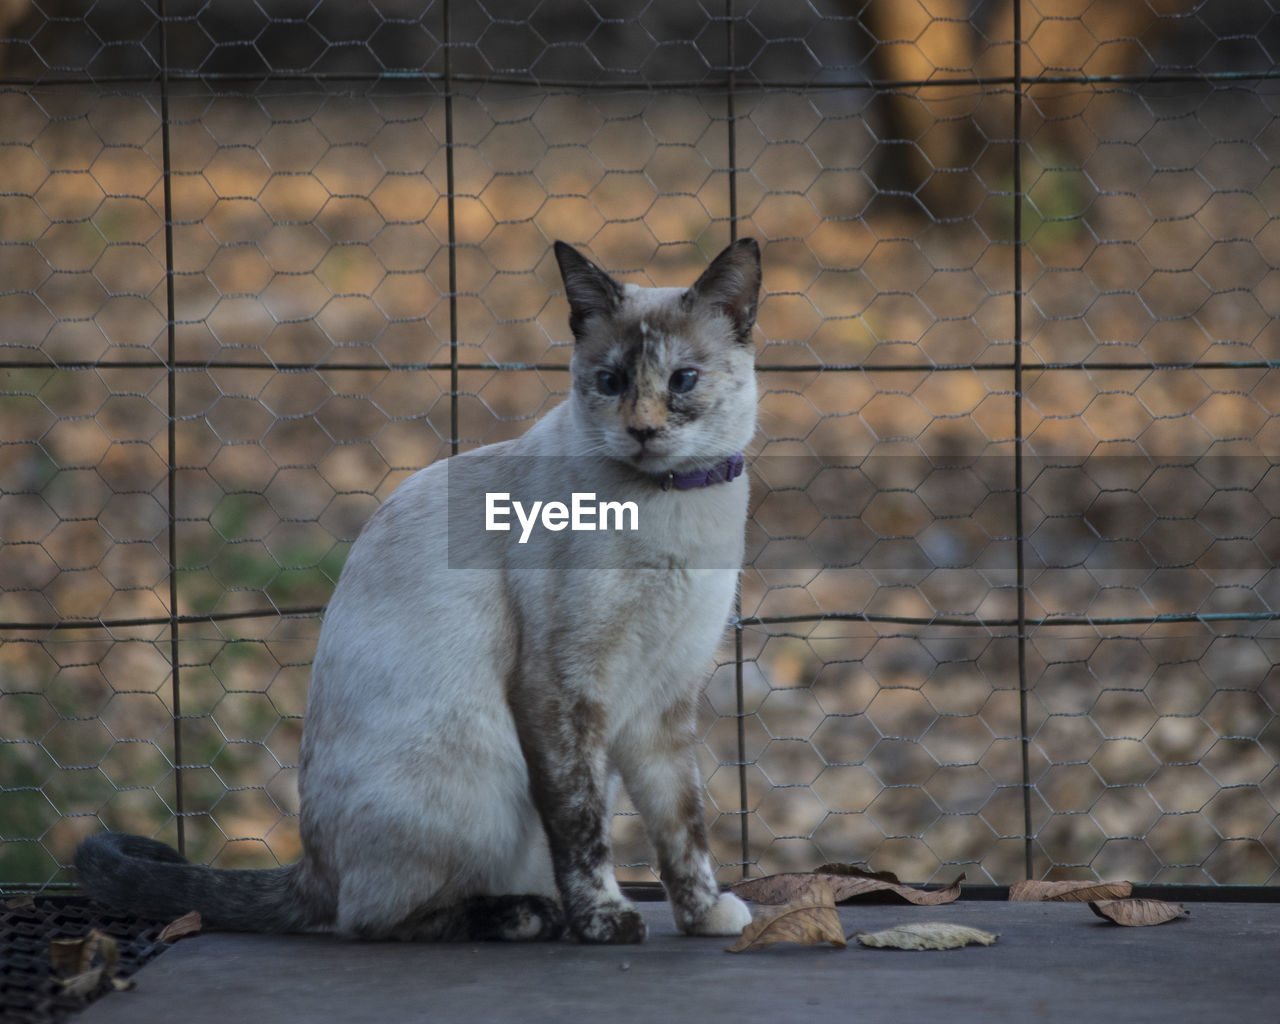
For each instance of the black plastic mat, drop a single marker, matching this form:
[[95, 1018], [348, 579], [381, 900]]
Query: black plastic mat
[[29, 989]]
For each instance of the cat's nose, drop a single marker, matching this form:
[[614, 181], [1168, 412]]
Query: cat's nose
[[643, 434]]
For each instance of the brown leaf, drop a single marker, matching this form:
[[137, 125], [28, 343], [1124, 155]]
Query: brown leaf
[[23, 902], [1068, 892], [775, 889], [75, 956], [68, 957], [1138, 913], [189, 923], [72, 961], [808, 920], [82, 984], [926, 935], [837, 868], [846, 887]]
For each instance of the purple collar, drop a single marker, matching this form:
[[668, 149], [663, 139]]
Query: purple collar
[[721, 473]]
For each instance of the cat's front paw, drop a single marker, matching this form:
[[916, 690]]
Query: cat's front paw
[[727, 916], [613, 923]]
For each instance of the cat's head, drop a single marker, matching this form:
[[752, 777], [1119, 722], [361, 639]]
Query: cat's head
[[663, 378]]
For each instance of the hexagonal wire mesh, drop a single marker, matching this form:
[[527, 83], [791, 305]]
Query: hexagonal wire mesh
[[1011, 596]]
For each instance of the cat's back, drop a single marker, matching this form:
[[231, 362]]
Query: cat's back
[[400, 607]]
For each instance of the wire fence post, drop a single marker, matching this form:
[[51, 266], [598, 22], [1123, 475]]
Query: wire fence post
[[731, 144], [451, 200], [171, 449], [1019, 441]]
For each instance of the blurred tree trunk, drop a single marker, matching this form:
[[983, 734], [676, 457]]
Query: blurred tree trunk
[[934, 141], [930, 137], [11, 12]]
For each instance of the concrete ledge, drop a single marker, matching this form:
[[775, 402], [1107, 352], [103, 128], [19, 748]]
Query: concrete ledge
[[1053, 962]]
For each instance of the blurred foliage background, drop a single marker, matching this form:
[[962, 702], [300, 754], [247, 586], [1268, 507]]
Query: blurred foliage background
[[1012, 583]]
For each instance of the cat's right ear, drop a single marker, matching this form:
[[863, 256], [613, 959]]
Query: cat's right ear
[[590, 291]]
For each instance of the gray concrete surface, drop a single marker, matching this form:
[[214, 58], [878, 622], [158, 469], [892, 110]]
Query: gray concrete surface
[[1053, 962]]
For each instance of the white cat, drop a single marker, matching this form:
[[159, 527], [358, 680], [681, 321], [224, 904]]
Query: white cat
[[475, 698]]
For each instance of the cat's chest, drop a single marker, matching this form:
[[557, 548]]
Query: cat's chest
[[630, 636], [660, 645]]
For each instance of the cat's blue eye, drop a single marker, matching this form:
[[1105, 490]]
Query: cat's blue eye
[[609, 383], [682, 381]]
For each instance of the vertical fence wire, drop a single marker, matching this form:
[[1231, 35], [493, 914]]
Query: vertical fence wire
[[1019, 444], [446, 36], [171, 442], [731, 155]]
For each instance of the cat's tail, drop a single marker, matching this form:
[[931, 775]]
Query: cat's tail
[[154, 880]]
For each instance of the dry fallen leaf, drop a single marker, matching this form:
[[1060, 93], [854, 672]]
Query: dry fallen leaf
[[849, 886], [23, 902], [82, 984], [926, 935], [838, 868], [846, 885], [73, 964], [775, 889], [809, 920], [70, 956], [1069, 892], [1138, 913], [188, 924]]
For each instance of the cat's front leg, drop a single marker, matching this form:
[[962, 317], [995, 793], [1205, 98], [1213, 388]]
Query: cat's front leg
[[563, 742], [662, 778]]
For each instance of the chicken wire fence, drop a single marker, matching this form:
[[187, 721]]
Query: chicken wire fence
[[1010, 601]]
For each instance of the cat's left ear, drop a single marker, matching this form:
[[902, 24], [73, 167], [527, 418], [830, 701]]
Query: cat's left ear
[[731, 285]]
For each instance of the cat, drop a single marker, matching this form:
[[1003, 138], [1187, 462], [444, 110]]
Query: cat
[[475, 700]]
